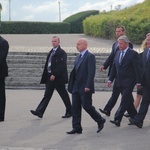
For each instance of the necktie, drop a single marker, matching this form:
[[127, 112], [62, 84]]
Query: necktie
[[79, 57], [121, 57], [78, 61], [49, 61]]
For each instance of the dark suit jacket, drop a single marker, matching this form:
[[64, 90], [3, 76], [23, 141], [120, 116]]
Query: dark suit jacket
[[84, 73], [110, 59], [4, 46], [58, 67], [126, 74], [145, 77]]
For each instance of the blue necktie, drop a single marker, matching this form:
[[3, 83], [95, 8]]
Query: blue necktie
[[121, 57]]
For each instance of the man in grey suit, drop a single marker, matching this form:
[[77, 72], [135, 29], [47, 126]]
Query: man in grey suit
[[145, 82], [126, 74], [81, 85]]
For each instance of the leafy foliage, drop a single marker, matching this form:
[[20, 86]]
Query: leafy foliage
[[136, 19], [33, 27], [77, 19]]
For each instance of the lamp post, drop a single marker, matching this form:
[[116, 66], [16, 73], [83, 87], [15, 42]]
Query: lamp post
[[9, 10], [0, 12], [59, 12]]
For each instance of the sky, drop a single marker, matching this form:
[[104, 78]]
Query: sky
[[56, 10]]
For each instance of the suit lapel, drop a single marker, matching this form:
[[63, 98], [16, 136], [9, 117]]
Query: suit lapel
[[118, 56], [126, 55], [80, 60], [144, 56]]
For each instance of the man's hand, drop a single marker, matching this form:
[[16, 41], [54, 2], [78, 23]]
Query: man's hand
[[52, 77], [138, 87], [86, 89], [101, 68], [109, 83]]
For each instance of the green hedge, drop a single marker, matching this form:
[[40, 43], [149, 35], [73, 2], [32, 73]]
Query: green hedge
[[77, 19], [135, 19], [33, 28]]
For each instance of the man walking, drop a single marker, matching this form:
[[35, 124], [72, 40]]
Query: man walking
[[4, 47], [126, 74], [145, 82], [81, 85], [55, 76], [120, 31]]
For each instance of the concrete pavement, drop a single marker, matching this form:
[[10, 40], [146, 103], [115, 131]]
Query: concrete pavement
[[42, 43], [23, 131]]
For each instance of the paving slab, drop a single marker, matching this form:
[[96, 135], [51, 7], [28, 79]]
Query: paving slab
[[42, 42], [23, 131]]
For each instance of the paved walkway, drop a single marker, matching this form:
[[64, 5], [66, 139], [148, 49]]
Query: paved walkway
[[42, 42], [23, 131]]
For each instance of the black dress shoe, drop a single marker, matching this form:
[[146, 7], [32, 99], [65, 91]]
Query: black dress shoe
[[67, 115], [101, 125], [105, 112], [126, 115], [134, 122], [36, 113], [116, 122], [1, 119], [74, 131]]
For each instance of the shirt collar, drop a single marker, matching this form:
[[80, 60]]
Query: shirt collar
[[125, 50], [55, 49], [82, 53]]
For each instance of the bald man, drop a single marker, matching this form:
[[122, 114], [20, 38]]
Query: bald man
[[81, 86]]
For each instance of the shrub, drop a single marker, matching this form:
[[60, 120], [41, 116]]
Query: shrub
[[77, 19]]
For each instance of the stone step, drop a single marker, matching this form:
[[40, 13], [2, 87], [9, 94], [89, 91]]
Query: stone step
[[34, 83], [33, 71], [20, 80], [25, 70]]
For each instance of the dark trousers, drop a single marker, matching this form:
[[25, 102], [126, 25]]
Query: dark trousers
[[126, 103], [2, 98], [144, 105], [113, 99], [85, 101], [61, 89]]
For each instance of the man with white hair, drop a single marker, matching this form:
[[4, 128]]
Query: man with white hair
[[126, 75]]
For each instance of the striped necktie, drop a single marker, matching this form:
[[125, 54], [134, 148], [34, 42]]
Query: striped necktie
[[121, 57], [49, 61]]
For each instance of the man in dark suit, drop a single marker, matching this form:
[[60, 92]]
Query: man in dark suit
[[126, 74], [120, 30], [55, 76], [145, 83], [82, 88], [4, 47]]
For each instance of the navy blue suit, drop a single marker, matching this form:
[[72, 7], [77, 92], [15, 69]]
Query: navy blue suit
[[108, 63], [145, 82], [126, 76], [82, 76]]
